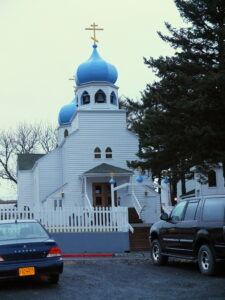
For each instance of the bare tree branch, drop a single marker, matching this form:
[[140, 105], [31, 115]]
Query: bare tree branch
[[26, 138], [7, 151], [48, 137]]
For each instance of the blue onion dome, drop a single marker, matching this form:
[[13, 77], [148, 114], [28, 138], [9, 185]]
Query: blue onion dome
[[66, 113], [95, 69]]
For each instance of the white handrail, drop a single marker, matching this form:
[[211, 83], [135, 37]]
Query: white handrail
[[136, 204], [88, 202], [131, 229]]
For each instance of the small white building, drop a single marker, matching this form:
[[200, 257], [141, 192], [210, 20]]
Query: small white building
[[212, 183], [94, 146]]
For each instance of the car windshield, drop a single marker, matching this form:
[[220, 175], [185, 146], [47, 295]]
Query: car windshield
[[15, 231]]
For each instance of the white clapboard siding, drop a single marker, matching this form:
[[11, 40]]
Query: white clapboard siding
[[66, 164], [149, 200], [49, 173], [95, 130], [25, 188]]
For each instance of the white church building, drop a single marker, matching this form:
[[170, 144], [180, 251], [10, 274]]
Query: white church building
[[91, 157]]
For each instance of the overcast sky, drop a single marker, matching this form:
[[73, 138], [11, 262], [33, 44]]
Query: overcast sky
[[44, 41]]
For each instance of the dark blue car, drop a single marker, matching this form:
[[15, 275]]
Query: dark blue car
[[27, 251]]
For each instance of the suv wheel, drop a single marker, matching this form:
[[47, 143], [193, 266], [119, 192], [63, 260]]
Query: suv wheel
[[156, 254], [206, 260]]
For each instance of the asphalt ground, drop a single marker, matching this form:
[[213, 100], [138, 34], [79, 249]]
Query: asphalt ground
[[121, 278]]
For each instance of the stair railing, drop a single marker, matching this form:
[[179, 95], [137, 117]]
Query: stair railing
[[134, 199], [88, 202], [131, 229], [136, 204]]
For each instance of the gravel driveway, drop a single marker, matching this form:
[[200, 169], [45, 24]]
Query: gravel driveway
[[122, 279]]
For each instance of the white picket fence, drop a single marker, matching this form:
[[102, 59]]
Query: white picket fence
[[80, 219]]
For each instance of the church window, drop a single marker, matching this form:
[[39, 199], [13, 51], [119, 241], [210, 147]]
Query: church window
[[100, 97], [55, 204], [97, 152], [66, 133], [85, 98], [212, 178], [108, 152], [113, 99]]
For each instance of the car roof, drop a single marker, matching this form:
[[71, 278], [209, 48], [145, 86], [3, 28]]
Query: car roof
[[18, 221]]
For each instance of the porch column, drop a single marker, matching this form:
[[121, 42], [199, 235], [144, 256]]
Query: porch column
[[112, 182], [85, 185]]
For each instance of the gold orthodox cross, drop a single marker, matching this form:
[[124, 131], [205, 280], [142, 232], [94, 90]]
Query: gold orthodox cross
[[94, 27]]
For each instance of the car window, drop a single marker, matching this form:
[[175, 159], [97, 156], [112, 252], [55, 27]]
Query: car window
[[213, 210], [17, 231], [191, 211], [177, 213]]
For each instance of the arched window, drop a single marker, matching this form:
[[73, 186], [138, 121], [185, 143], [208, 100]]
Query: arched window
[[85, 98], [100, 97], [113, 99], [66, 133], [108, 152], [212, 178], [97, 152]]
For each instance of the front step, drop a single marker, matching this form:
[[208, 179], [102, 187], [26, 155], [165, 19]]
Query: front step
[[133, 216], [139, 239]]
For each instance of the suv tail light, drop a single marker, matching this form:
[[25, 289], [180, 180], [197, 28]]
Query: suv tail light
[[54, 251]]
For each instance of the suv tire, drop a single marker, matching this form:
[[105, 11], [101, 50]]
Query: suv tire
[[206, 260], [156, 254]]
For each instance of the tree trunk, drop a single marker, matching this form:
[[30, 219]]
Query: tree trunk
[[183, 184], [159, 182], [173, 188]]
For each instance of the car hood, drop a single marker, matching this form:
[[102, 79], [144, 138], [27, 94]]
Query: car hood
[[157, 225]]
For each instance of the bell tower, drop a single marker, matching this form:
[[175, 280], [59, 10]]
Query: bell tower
[[95, 81]]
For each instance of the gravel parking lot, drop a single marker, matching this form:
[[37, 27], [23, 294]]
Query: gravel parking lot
[[122, 279]]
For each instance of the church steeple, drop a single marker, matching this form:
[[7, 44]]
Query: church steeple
[[94, 27], [95, 69], [95, 79], [67, 112], [95, 85]]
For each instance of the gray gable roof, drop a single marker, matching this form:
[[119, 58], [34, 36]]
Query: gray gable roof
[[107, 169], [27, 161]]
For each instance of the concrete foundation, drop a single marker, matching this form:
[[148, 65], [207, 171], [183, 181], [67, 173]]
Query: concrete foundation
[[93, 242]]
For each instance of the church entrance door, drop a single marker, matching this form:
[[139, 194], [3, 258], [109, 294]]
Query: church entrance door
[[101, 194]]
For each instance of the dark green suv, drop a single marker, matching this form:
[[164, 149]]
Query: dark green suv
[[194, 230]]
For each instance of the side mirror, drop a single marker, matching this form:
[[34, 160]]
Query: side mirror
[[164, 217]]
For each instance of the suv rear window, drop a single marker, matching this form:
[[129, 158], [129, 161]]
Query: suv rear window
[[214, 209]]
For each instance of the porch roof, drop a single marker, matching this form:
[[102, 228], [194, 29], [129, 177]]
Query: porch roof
[[106, 169], [26, 161]]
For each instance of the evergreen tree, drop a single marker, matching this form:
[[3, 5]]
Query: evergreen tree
[[181, 117]]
